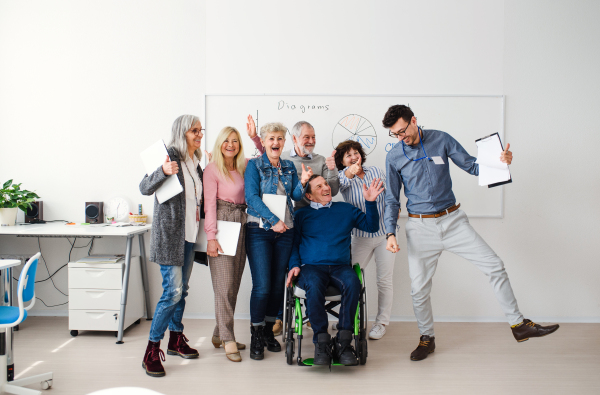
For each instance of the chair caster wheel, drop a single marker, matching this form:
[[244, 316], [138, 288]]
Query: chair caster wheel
[[16, 328], [138, 321], [46, 384], [74, 333]]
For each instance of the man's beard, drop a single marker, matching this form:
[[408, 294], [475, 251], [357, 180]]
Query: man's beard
[[307, 151]]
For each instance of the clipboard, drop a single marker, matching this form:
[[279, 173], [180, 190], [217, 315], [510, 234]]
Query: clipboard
[[509, 181]]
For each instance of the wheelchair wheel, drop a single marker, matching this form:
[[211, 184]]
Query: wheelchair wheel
[[362, 351], [289, 351]]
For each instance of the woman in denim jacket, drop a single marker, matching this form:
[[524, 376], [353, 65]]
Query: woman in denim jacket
[[269, 247]]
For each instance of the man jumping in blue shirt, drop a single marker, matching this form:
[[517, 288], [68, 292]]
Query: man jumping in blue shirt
[[321, 257]]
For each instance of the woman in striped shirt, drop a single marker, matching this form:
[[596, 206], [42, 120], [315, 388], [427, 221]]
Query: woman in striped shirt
[[349, 159]]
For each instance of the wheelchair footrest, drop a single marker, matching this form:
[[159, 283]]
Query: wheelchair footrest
[[310, 362]]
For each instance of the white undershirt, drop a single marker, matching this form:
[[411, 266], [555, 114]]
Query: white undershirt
[[191, 225]]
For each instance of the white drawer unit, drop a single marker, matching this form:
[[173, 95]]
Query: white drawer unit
[[95, 292]]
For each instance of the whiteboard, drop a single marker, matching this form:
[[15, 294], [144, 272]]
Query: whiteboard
[[358, 117]]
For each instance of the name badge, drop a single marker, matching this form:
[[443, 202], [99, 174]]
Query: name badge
[[437, 160]]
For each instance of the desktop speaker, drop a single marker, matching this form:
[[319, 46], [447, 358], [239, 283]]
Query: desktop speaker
[[94, 212], [35, 214]]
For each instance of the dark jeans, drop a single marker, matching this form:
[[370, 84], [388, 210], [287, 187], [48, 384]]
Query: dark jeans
[[268, 256], [169, 310], [314, 280]]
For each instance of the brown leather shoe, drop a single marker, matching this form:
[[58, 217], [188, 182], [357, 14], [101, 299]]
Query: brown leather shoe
[[278, 327], [152, 358], [178, 346], [528, 328], [216, 341], [426, 346]]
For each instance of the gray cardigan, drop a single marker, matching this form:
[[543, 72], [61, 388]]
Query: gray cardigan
[[168, 225]]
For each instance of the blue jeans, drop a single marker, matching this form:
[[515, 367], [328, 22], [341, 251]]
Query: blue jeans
[[169, 310], [314, 280], [268, 255]]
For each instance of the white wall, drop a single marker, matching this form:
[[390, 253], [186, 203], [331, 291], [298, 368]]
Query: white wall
[[89, 85]]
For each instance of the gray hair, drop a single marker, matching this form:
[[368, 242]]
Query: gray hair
[[178, 141], [297, 129], [272, 127]]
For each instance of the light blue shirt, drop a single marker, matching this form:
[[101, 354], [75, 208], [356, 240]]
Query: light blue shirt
[[352, 191], [293, 152], [317, 206], [427, 186]]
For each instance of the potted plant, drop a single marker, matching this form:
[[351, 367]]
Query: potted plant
[[12, 198]]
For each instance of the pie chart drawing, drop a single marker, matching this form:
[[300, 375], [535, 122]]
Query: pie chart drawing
[[357, 128]]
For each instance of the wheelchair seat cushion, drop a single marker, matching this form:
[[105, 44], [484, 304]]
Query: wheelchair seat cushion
[[331, 293]]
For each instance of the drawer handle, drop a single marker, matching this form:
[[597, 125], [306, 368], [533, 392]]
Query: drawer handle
[[95, 273], [95, 315], [95, 294]]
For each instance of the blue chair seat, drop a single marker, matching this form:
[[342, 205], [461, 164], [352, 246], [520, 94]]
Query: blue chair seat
[[9, 314]]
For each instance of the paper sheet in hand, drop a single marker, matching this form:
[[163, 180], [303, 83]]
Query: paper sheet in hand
[[228, 234], [275, 203], [491, 169], [153, 157]]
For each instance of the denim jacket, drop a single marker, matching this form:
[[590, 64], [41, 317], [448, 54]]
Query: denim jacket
[[261, 177]]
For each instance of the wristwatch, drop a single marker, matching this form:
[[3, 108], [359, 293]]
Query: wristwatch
[[387, 236]]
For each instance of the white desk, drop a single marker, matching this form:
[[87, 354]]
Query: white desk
[[6, 266], [99, 230]]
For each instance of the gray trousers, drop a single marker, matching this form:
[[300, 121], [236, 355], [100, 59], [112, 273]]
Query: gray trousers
[[427, 238]]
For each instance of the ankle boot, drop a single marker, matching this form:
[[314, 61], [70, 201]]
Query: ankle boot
[[257, 343], [323, 351], [178, 346], [272, 343], [152, 358], [343, 350]]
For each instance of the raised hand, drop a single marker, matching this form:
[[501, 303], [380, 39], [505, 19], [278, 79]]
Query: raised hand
[[306, 174], [357, 167], [506, 156], [208, 155], [251, 127], [330, 161], [170, 168], [374, 190], [213, 248]]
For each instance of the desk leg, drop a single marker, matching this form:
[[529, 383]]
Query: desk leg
[[125, 289], [144, 263], [8, 339]]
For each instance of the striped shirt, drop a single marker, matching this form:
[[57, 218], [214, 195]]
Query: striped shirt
[[352, 191]]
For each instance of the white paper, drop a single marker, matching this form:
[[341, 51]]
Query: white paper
[[228, 234], [437, 160], [153, 157], [491, 169], [275, 203]]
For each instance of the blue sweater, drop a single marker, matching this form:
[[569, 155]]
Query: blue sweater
[[322, 237]]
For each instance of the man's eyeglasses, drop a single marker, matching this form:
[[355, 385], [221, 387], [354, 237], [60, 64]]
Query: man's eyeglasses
[[198, 132], [402, 131]]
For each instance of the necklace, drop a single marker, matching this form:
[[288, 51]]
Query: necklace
[[195, 194]]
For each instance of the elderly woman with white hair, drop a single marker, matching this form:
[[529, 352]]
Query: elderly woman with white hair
[[268, 237], [174, 230]]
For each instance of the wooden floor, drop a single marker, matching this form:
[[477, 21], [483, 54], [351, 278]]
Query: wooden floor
[[470, 358]]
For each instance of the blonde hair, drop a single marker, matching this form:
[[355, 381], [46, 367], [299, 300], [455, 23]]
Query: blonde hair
[[239, 161], [273, 127]]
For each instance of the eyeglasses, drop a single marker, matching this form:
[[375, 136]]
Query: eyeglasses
[[197, 132], [392, 134]]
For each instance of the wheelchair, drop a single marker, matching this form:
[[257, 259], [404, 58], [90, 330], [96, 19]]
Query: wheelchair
[[293, 319]]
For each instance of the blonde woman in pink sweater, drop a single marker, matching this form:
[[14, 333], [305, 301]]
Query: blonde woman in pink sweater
[[224, 200]]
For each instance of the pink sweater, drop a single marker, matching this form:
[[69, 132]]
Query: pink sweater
[[216, 187]]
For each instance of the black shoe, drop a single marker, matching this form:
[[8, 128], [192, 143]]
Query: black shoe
[[270, 341], [257, 343], [323, 353], [426, 346], [343, 350], [528, 328]]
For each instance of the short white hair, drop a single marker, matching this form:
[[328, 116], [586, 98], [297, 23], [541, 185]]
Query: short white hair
[[297, 129], [180, 127], [273, 127]]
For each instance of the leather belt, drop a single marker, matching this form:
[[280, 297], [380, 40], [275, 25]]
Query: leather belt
[[437, 215]]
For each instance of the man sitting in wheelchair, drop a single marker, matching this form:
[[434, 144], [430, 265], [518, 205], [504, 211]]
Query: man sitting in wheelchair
[[321, 257]]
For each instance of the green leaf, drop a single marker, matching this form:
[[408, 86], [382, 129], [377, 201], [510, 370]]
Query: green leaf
[[7, 184]]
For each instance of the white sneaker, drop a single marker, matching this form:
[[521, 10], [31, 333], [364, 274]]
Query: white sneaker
[[377, 332]]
